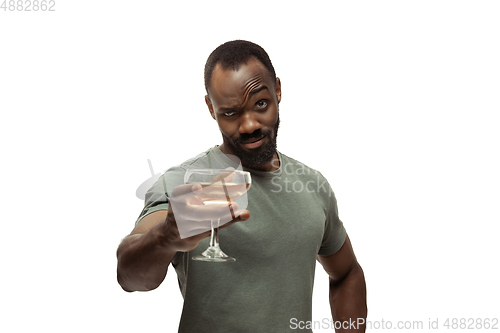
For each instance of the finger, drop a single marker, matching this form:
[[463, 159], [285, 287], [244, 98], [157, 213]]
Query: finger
[[241, 215], [190, 195], [204, 228], [184, 189], [223, 191], [195, 234], [212, 212], [201, 229]]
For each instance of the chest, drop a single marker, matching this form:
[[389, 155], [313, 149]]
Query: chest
[[280, 223]]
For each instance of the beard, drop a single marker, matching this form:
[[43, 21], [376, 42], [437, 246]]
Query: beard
[[259, 156]]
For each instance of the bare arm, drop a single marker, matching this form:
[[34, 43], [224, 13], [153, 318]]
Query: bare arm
[[144, 255], [347, 288]]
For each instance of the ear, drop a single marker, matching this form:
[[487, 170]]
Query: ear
[[278, 89], [210, 106]]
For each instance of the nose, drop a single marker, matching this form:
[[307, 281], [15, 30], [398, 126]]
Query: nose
[[248, 123]]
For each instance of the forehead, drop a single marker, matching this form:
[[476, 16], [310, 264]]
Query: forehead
[[230, 86]]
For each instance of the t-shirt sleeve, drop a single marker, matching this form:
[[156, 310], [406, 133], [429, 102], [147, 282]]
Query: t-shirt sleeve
[[335, 233], [156, 198]]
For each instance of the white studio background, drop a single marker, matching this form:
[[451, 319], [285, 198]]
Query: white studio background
[[395, 102]]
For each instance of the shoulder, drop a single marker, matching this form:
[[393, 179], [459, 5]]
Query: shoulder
[[200, 160], [311, 180], [174, 176]]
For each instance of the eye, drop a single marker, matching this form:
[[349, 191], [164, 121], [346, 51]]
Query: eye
[[262, 104], [229, 113]]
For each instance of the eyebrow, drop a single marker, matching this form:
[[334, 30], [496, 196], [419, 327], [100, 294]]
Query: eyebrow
[[236, 107]]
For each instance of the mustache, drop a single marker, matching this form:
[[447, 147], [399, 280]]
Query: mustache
[[255, 135]]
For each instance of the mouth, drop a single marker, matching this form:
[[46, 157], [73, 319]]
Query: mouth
[[253, 143]]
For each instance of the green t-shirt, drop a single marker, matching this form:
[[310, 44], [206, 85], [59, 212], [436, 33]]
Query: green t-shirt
[[293, 218]]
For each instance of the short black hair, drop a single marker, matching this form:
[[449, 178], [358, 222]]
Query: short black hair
[[233, 54]]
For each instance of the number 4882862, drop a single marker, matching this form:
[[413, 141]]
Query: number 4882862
[[28, 5]]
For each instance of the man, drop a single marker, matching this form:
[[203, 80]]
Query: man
[[291, 220]]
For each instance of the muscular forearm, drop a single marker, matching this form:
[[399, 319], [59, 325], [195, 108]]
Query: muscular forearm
[[348, 301], [143, 260]]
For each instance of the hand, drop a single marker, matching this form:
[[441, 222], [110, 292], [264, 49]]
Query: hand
[[188, 218]]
